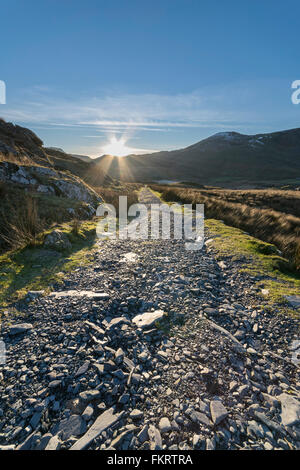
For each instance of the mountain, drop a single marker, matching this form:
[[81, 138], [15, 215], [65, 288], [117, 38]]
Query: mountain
[[224, 158], [84, 158]]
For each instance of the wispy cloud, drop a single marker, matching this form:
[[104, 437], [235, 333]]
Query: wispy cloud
[[246, 107], [147, 112]]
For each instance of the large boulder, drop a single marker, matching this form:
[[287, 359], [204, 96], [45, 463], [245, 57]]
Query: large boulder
[[50, 181], [57, 240]]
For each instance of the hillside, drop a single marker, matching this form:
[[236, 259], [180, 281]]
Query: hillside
[[22, 146], [40, 187], [224, 158]]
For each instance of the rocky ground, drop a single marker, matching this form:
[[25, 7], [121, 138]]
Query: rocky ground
[[205, 369]]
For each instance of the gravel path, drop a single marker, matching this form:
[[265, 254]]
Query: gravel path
[[88, 368]]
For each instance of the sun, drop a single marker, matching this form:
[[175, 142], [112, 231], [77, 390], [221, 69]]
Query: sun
[[117, 148]]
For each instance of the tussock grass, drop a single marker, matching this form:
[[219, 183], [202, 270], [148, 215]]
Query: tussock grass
[[273, 226], [21, 225], [36, 268], [260, 260], [23, 215], [111, 195]]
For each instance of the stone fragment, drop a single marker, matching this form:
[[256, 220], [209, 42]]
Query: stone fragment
[[103, 422], [148, 319], [290, 409], [19, 328], [218, 411]]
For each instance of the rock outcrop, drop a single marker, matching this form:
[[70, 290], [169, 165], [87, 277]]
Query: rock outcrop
[[21, 144], [49, 181]]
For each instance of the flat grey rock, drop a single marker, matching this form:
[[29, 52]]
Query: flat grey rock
[[155, 438], [136, 414], [198, 417], [148, 319], [72, 426], [116, 322], [96, 329], [35, 293], [53, 444], [165, 425], [103, 422], [80, 293], [89, 395], [290, 409], [218, 411], [19, 328], [88, 413], [82, 369], [293, 300], [57, 240]]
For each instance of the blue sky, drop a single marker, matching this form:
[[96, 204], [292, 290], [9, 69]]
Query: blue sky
[[162, 74]]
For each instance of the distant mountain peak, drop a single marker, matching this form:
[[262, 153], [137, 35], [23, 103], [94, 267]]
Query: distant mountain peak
[[226, 134]]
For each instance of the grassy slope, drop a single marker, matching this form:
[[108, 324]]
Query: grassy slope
[[259, 259], [35, 268]]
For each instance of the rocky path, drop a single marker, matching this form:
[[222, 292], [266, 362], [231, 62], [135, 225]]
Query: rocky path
[[150, 346]]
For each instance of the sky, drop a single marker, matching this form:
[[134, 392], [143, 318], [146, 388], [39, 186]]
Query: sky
[[155, 75]]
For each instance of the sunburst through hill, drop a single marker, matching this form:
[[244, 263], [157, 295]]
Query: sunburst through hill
[[117, 147]]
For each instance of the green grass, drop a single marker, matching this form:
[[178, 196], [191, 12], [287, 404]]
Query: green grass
[[257, 258], [36, 268]]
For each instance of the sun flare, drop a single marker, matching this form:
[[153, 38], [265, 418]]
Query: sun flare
[[117, 148]]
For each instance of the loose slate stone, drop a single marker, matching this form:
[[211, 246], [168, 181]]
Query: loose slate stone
[[136, 414], [54, 384], [155, 438], [53, 444], [89, 395], [20, 328], [35, 293], [45, 439], [83, 369], [88, 413], [201, 418], [290, 409], [116, 322], [94, 327], [268, 422], [293, 300], [103, 422], [165, 425], [81, 293], [72, 426], [148, 319], [218, 411]]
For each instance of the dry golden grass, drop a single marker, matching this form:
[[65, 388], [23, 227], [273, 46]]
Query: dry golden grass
[[252, 211], [21, 225], [111, 195]]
